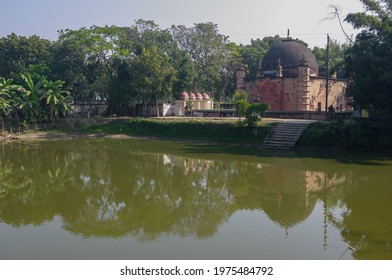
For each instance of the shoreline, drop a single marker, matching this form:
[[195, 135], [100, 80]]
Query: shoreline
[[82, 135], [38, 136], [168, 129], [320, 135]]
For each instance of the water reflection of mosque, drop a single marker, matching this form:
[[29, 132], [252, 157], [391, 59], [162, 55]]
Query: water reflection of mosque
[[128, 188], [288, 194], [288, 188], [288, 191]]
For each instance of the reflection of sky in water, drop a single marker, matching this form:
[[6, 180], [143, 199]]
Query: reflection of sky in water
[[85, 179], [112, 200]]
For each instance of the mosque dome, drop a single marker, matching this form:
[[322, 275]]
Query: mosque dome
[[205, 96], [198, 96], [184, 96], [289, 54], [192, 96]]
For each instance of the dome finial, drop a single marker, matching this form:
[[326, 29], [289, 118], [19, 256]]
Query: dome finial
[[303, 61], [288, 38]]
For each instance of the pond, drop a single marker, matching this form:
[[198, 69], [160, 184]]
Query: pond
[[145, 199]]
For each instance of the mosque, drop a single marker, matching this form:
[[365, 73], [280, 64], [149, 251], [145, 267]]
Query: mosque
[[289, 79]]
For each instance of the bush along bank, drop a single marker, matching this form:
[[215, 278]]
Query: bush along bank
[[235, 132], [355, 135]]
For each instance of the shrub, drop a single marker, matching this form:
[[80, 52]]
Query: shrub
[[361, 134], [254, 112]]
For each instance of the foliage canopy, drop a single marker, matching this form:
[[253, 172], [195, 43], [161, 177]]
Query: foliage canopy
[[368, 61]]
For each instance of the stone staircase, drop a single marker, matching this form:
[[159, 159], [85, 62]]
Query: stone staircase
[[284, 135]]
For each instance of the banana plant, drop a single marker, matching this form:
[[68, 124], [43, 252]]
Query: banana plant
[[55, 97], [5, 87], [9, 98], [30, 99]]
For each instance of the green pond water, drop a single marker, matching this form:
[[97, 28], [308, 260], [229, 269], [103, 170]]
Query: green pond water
[[137, 199]]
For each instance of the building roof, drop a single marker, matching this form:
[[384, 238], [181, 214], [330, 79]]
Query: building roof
[[289, 54]]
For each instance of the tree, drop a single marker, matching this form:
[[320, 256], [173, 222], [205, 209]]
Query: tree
[[10, 98], [254, 112], [5, 88], [207, 49], [55, 97], [336, 57], [18, 53], [105, 62], [253, 54], [186, 71], [227, 84], [68, 63], [147, 34], [241, 107], [240, 102], [95, 49], [29, 100], [369, 60], [155, 75], [149, 37], [335, 14], [123, 92]]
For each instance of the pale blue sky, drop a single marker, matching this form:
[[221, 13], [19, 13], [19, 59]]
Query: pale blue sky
[[241, 20]]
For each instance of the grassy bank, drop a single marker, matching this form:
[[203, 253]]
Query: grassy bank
[[355, 135], [206, 130]]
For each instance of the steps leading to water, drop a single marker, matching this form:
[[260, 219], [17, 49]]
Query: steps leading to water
[[284, 135]]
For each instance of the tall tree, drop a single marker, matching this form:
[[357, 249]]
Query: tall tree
[[369, 60], [99, 46], [101, 61], [18, 53], [253, 54], [226, 85], [123, 93], [68, 62], [336, 57], [156, 75], [149, 37], [207, 48]]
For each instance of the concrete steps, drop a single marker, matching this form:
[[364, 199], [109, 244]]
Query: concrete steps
[[284, 135]]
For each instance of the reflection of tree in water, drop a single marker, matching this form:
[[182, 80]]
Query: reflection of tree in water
[[24, 199], [362, 194], [366, 225], [146, 198], [101, 189], [114, 189]]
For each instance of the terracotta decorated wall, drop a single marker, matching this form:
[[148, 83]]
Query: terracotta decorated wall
[[337, 94], [283, 94]]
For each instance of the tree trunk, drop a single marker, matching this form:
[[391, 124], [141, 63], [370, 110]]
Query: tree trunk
[[156, 104], [52, 113]]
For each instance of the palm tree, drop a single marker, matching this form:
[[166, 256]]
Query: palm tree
[[55, 96]]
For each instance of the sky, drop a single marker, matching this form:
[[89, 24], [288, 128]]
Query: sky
[[240, 20]]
